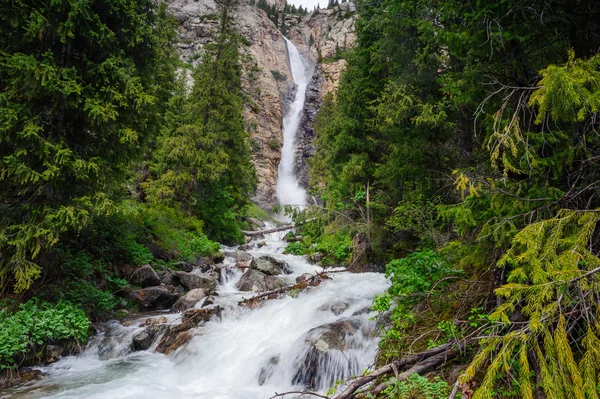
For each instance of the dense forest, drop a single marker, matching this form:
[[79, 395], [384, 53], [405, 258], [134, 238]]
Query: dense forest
[[461, 150], [459, 154], [108, 160]]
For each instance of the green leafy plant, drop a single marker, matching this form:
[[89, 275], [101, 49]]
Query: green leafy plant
[[418, 387]]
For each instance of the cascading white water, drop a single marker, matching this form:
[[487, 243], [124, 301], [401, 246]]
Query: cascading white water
[[309, 340], [289, 192], [250, 353]]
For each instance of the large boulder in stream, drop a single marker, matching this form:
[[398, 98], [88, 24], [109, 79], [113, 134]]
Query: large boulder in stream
[[189, 300], [328, 353], [270, 266], [154, 298], [145, 338], [192, 281], [256, 281], [145, 276], [238, 255]]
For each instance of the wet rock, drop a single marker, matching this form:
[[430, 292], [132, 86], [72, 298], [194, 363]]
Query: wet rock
[[191, 281], [315, 258], [168, 278], [238, 255], [185, 266], [267, 371], [150, 321], [326, 349], [189, 300], [211, 300], [261, 244], [53, 352], [147, 277], [244, 247], [336, 308], [154, 298], [174, 338], [256, 281], [242, 264], [145, 338], [303, 277], [198, 316], [271, 266], [256, 224]]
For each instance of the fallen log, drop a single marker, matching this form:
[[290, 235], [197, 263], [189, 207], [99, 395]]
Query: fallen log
[[267, 231], [418, 363]]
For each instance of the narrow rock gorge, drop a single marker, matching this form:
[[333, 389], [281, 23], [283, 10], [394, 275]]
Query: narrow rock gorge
[[320, 36]]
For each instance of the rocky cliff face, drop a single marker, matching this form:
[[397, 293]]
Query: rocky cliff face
[[267, 78]]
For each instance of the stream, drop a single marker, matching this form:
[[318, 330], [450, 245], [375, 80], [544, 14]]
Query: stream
[[308, 340]]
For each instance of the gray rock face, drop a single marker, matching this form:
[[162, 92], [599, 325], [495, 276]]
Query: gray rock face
[[270, 266], [191, 281], [189, 300], [147, 277], [145, 338], [239, 255], [256, 281], [168, 278], [154, 298]]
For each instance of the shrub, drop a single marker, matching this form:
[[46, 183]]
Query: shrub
[[36, 324], [418, 387]]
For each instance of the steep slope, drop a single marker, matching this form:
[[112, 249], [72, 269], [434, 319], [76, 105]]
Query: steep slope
[[266, 74]]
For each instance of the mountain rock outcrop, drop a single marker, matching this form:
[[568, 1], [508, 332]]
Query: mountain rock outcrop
[[321, 36]]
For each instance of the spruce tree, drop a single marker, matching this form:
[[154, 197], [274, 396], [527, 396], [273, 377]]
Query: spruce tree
[[82, 87]]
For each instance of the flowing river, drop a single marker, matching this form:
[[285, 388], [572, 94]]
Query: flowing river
[[307, 340]]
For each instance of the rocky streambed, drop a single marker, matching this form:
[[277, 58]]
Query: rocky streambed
[[196, 341]]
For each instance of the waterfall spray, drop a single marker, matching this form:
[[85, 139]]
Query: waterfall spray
[[289, 192]]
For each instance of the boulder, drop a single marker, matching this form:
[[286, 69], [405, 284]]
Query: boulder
[[325, 343], [204, 264], [336, 308], [238, 255], [145, 276], [198, 316], [256, 281], [189, 300], [256, 224], [244, 247], [154, 298], [53, 352], [270, 266], [261, 244], [303, 277], [145, 338], [168, 278], [191, 281], [315, 258]]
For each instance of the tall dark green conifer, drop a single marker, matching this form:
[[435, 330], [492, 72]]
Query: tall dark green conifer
[[203, 160], [82, 85]]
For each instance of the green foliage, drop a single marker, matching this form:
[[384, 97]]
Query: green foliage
[[81, 92], [416, 272], [418, 387], [202, 162], [36, 324]]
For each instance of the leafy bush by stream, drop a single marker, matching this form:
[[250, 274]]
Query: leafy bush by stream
[[26, 331]]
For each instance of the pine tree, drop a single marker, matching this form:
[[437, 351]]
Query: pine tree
[[82, 91]]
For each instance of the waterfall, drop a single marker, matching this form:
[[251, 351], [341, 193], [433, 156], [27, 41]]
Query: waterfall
[[289, 191]]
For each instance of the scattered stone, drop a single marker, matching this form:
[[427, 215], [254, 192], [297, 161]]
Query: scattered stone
[[303, 277], [244, 247], [150, 321], [269, 265], [197, 316], [238, 255], [185, 266], [189, 300], [256, 281], [146, 277], [261, 244], [315, 258], [191, 281], [53, 352], [168, 278], [154, 298], [145, 338]]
